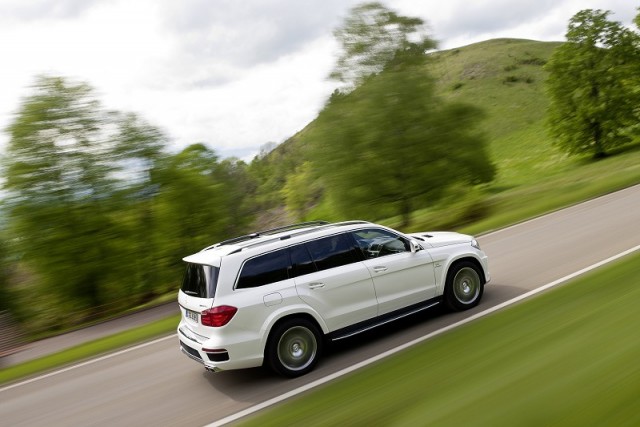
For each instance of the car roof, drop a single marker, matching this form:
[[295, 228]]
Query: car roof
[[211, 255]]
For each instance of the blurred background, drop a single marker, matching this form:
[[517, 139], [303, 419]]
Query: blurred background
[[99, 204]]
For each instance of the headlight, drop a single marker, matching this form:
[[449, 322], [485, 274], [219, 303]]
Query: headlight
[[475, 244]]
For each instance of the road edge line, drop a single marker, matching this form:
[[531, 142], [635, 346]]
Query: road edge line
[[86, 362]]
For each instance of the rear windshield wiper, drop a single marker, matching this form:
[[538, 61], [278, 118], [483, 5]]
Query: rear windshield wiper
[[191, 293]]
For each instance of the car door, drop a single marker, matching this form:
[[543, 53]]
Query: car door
[[331, 278], [401, 278]]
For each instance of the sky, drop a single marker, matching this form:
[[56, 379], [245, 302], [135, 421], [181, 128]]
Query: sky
[[233, 74]]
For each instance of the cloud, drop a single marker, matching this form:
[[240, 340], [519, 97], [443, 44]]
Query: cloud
[[49, 10], [490, 16], [232, 73], [249, 32]]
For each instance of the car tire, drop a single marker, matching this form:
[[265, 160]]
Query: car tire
[[464, 286], [294, 347]]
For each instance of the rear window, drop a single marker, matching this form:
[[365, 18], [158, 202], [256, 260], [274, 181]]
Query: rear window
[[200, 280], [269, 268]]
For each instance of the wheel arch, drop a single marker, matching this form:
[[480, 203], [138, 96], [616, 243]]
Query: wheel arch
[[272, 356], [467, 258], [284, 316]]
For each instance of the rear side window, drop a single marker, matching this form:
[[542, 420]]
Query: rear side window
[[200, 280], [264, 269], [301, 261], [333, 251]]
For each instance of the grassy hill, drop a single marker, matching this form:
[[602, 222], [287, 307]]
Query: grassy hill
[[506, 79]]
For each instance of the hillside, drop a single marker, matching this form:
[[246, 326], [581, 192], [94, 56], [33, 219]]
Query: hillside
[[506, 79]]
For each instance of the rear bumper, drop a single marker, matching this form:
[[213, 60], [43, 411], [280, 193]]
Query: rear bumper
[[217, 354]]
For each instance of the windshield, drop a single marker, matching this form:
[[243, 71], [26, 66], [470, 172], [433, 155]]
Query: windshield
[[200, 280]]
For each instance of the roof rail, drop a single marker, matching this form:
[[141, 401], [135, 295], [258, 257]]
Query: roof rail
[[251, 236], [353, 222], [295, 226], [321, 225]]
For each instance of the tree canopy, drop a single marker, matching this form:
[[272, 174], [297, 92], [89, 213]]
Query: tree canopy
[[593, 84], [370, 37], [391, 145]]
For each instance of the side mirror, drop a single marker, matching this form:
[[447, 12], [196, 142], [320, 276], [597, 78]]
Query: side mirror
[[415, 246]]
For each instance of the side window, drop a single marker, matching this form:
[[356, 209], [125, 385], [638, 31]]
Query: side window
[[264, 269], [301, 261], [375, 243], [333, 251]]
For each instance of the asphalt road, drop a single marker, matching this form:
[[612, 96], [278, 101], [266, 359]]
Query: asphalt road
[[156, 385]]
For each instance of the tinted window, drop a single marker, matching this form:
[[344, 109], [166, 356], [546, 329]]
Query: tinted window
[[200, 280], [376, 243], [301, 261], [268, 268], [333, 251]]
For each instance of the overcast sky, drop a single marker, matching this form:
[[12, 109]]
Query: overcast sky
[[234, 74]]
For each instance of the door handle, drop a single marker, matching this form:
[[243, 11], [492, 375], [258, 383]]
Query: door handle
[[379, 269], [316, 285]]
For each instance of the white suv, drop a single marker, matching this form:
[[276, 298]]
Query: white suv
[[275, 297]]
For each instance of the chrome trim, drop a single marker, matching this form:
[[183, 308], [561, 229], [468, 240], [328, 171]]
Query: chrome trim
[[191, 356], [391, 319]]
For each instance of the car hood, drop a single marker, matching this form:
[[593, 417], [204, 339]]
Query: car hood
[[437, 239]]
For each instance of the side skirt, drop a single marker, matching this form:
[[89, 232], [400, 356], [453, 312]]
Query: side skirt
[[367, 325]]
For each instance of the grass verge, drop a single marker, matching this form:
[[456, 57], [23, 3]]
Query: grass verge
[[90, 349], [526, 201], [567, 357]]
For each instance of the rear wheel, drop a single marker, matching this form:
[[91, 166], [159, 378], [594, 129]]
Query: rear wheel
[[294, 347], [464, 286]]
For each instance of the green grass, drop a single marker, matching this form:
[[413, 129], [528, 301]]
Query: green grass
[[90, 349], [568, 357], [533, 176], [558, 191]]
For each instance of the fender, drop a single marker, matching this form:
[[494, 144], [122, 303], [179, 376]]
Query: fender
[[290, 310]]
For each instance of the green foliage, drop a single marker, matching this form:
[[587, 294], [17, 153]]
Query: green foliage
[[593, 85], [98, 214], [60, 178], [391, 145], [370, 37], [301, 191], [6, 300], [197, 206]]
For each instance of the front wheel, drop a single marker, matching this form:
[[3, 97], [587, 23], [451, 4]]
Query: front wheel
[[464, 286], [294, 347]]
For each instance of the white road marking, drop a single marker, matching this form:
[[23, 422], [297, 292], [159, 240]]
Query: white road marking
[[88, 362], [345, 371]]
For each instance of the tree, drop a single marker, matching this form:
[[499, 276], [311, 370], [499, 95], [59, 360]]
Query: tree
[[592, 85], [193, 206], [78, 179], [59, 180], [5, 299], [138, 154], [371, 37], [301, 190], [391, 145]]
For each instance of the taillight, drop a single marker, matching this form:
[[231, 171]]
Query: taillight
[[217, 316]]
